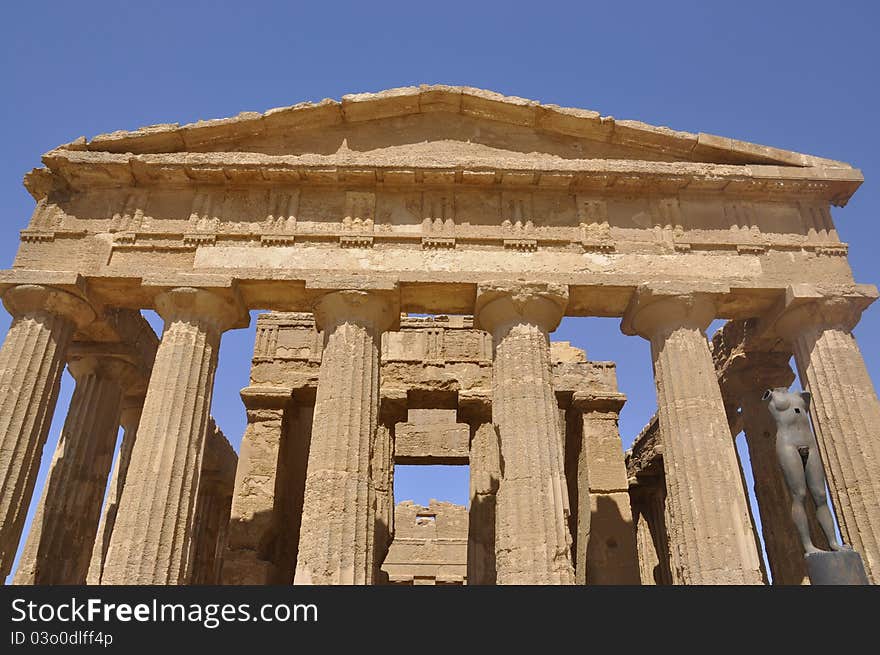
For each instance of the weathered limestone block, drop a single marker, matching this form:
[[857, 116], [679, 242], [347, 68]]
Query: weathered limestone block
[[710, 532], [338, 520], [532, 541], [485, 475], [439, 443], [256, 504], [59, 546], [152, 540], [430, 544], [383, 483], [606, 547], [845, 411], [31, 361], [130, 416]]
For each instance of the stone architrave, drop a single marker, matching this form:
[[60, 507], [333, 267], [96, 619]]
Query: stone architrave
[[844, 408], [153, 536], [338, 519], [59, 546], [710, 533], [129, 417], [31, 361], [532, 541]]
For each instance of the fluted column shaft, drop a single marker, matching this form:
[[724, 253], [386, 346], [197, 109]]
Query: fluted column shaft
[[339, 514], [710, 532], [533, 544], [153, 536], [129, 418], [59, 545], [31, 361], [846, 417]]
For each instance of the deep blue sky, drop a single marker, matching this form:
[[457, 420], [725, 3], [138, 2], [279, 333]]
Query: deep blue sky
[[797, 75]]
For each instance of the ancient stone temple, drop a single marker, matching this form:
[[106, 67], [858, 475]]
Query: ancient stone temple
[[413, 251]]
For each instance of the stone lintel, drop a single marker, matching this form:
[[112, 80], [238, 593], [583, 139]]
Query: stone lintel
[[432, 443], [586, 401], [67, 280]]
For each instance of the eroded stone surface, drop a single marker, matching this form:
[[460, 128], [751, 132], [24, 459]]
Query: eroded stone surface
[[443, 200]]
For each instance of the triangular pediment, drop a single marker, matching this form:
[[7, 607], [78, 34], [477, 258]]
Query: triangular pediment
[[442, 125]]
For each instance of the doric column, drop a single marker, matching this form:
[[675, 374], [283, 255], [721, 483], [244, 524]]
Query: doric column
[[129, 418], [845, 411], [710, 533], [31, 362], [59, 545], [533, 545], [605, 544], [152, 539], [338, 519]]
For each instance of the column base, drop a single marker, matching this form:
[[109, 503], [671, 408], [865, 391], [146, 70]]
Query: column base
[[843, 567]]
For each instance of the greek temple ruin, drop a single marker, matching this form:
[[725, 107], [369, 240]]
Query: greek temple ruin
[[412, 252]]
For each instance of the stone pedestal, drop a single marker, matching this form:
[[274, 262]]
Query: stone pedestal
[[532, 541], [129, 418], [845, 413], [152, 539], [31, 362], [339, 514], [836, 568], [59, 546], [710, 534]]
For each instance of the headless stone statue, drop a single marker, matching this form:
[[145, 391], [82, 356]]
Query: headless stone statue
[[798, 455]]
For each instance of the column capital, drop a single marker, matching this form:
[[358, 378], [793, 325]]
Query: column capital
[[652, 311], [120, 371], [32, 299], [220, 312], [374, 310], [804, 306], [500, 305]]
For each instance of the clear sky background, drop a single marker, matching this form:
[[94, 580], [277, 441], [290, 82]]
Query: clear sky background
[[796, 75]]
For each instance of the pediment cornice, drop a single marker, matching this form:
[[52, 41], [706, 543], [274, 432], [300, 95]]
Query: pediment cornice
[[79, 170]]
